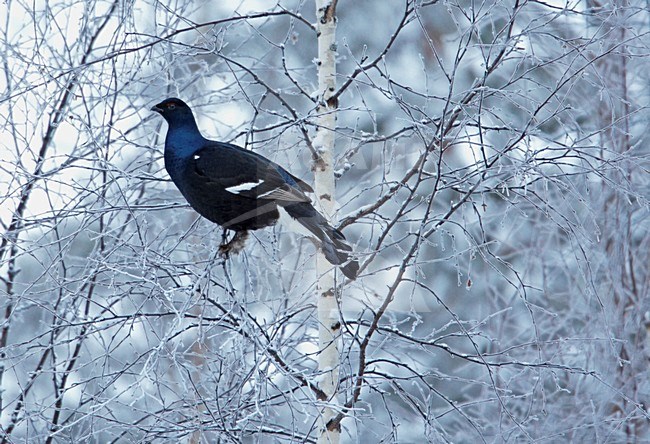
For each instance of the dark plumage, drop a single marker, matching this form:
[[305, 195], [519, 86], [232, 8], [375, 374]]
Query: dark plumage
[[239, 189]]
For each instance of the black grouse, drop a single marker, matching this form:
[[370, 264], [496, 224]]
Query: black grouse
[[239, 189]]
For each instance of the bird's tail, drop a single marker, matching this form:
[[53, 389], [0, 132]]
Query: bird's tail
[[335, 247]]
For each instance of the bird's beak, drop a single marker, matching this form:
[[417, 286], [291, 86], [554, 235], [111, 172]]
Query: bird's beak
[[157, 109]]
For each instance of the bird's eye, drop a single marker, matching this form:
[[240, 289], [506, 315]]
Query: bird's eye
[[171, 106]]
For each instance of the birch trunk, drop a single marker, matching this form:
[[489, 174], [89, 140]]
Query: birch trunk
[[328, 316]]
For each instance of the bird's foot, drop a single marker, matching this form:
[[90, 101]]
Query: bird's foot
[[235, 245]]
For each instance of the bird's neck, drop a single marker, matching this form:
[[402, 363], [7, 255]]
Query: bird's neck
[[184, 139]]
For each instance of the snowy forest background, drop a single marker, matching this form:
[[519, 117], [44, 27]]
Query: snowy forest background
[[492, 172]]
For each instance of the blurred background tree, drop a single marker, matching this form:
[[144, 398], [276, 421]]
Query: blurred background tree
[[491, 164]]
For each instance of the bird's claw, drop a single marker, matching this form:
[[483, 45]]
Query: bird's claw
[[235, 245], [224, 250]]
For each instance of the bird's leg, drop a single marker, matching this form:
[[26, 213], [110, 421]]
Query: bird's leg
[[238, 241], [235, 245]]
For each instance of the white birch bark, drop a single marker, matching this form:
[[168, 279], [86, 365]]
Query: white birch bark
[[328, 316]]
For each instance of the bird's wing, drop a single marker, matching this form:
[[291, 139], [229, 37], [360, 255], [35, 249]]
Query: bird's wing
[[293, 179], [246, 174]]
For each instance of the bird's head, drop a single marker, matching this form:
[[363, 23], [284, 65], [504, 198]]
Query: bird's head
[[175, 111]]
